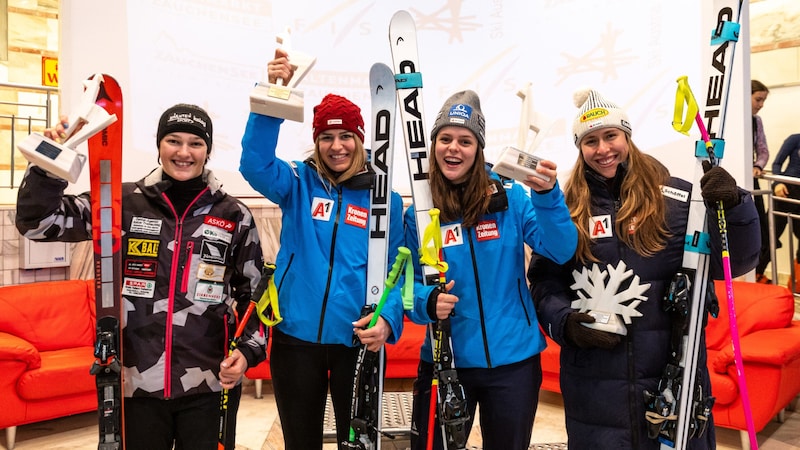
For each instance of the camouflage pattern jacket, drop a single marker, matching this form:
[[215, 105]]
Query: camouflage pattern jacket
[[184, 280]]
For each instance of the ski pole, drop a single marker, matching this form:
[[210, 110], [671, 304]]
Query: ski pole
[[266, 276], [401, 260], [684, 95]]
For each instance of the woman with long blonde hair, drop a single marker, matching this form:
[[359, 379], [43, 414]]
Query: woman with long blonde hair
[[632, 218]]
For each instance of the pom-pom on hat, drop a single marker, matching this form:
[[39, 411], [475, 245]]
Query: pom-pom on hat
[[188, 119], [595, 113], [462, 109], [337, 112]]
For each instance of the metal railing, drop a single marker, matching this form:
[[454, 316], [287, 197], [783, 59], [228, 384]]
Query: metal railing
[[770, 201], [23, 117]]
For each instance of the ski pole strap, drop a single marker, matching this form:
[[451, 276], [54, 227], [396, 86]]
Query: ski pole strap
[[714, 149], [400, 260], [267, 307], [430, 250]]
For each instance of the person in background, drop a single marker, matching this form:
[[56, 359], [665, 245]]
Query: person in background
[[631, 217], [758, 95], [322, 261], [204, 261], [788, 156], [485, 226]]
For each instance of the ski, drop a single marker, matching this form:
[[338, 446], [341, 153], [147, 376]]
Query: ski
[[450, 399], [680, 410], [366, 413], [105, 165]]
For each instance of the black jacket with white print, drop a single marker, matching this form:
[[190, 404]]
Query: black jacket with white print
[[182, 276]]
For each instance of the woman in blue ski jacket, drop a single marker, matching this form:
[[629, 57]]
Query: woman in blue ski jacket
[[632, 219], [485, 226], [322, 262]]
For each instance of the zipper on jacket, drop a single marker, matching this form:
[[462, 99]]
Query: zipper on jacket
[[522, 302], [330, 266], [480, 299], [187, 265]]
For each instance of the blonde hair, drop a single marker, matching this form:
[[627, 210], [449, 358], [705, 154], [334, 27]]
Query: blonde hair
[[468, 200], [357, 165], [642, 211]]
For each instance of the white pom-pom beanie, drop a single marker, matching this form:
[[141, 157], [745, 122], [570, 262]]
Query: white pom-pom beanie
[[595, 113]]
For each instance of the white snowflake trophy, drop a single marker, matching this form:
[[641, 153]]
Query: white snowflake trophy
[[599, 295]]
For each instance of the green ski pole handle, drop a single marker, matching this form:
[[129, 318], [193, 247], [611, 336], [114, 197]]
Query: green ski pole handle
[[403, 254]]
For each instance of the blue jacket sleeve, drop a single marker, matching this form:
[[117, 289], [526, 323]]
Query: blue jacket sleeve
[[273, 178], [549, 230], [744, 237]]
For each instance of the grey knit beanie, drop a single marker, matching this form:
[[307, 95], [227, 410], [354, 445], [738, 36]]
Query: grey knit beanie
[[462, 109]]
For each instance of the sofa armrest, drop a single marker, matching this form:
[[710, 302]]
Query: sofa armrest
[[778, 347], [13, 348]]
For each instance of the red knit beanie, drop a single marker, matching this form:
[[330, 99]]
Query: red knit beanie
[[337, 112]]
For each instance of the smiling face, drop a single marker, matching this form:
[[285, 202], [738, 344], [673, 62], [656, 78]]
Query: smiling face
[[455, 149], [183, 155], [604, 150], [336, 148]]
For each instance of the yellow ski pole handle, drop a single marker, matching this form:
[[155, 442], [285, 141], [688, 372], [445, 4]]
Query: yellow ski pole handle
[[402, 258]]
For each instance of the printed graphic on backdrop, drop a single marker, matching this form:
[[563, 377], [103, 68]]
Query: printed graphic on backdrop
[[493, 48]]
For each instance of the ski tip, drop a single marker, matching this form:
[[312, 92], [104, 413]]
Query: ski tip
[[402, 23]]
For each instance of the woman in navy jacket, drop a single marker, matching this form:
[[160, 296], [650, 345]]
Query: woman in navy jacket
[[485, 226], [322, 262], [632, 219]]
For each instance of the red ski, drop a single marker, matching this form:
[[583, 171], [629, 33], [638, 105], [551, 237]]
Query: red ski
[[105, 165]]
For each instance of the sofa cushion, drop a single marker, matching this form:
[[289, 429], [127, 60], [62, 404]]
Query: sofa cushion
[[63, 372], [724, 388], [758, 307], [51, 315]]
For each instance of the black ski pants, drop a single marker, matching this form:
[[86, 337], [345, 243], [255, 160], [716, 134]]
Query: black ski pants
[[189, 423], [302, 372], [508, 397]]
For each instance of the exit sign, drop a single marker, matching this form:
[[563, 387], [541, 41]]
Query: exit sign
[[49, 71]]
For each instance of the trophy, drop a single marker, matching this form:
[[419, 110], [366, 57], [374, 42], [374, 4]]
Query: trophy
[[283, 99], [86, 120], [608, 296], [515, 162]]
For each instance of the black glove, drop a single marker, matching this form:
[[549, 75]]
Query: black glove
[[585, 337], [718, 185]]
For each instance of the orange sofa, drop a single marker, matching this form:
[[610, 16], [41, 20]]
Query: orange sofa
[[770, 345], [47, 335], [402, 357]]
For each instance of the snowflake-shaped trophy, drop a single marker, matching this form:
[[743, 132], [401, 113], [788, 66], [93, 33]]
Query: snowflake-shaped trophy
[[604, 301]]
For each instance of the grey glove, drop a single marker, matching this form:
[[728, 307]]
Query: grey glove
[[585, 337]]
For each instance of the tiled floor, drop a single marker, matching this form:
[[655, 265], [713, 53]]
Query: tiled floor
[[259, 429]]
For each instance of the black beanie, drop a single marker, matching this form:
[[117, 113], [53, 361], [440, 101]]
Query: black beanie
[[188, 119]]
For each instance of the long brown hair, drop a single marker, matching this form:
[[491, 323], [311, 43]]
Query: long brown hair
[[468, 200], [357, 165], [643, 209]]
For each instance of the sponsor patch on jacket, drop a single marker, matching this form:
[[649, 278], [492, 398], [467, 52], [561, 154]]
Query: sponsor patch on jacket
[[135, 287], [211, 272], [355, 215], [452, 235], [140, 268], [143, 247], [219, 222], [212, 232], [321, 208], [601, 227], [208, 292], [146, 225], [487, 230], [213, 251], [675, 194]]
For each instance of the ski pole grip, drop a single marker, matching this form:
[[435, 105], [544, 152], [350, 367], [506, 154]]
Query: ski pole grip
[[403, 253]]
